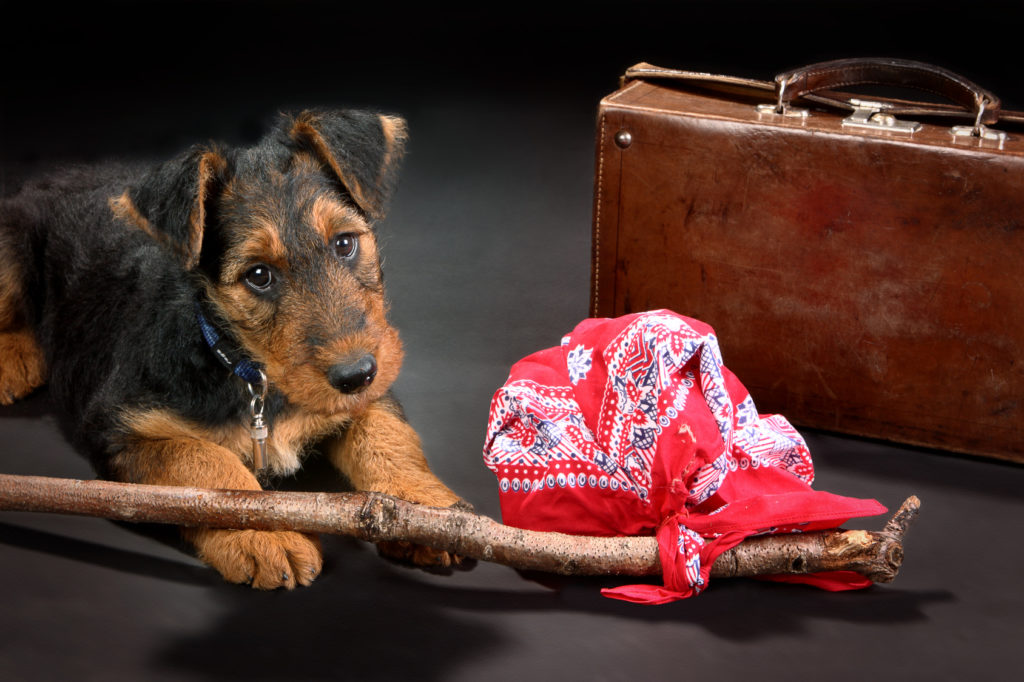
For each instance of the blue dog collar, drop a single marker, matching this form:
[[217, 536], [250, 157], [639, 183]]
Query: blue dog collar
[[226, 352]]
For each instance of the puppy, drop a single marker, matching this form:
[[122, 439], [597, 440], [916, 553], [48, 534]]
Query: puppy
[[203, 321]]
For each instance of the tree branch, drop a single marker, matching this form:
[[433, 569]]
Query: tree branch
[[375, 517]]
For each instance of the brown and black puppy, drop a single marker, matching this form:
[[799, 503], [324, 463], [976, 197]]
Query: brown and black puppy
[[152, 299]]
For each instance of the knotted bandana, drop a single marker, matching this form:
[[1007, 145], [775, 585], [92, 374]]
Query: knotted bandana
[[633, 426]]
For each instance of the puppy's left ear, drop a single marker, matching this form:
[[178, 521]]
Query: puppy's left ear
[[362, 149], [171, 202]]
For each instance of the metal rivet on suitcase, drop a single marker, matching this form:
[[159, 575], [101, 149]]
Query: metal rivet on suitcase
[[623, 138]]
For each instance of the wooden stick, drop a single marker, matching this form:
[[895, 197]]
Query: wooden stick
[[375, 517]]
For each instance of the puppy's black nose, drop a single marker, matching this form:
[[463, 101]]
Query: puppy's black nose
[[351, 377]]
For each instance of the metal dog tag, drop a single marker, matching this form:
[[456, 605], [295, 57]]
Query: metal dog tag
[[258, 430]]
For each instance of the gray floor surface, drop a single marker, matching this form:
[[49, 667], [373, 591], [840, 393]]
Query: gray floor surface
[[487, 252]]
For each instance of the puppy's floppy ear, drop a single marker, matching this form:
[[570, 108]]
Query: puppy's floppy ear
[[172, 201], [362, 149]]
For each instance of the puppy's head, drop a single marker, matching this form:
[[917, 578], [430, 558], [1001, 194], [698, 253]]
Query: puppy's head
[[281, 237]]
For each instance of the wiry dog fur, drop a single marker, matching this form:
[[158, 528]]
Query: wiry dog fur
[[101, 272]]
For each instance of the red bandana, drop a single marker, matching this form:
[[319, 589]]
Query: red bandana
[[635, 427]]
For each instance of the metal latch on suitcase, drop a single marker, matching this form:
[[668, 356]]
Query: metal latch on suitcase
[[978, 133], [868, 115]]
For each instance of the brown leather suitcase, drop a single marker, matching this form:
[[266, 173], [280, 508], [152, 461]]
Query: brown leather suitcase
[[860, 258]]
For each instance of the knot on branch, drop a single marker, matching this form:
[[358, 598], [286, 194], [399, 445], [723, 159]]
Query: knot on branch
[[377, 517]]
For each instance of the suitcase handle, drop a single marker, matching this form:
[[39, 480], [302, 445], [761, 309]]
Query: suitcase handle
[[894, 72]]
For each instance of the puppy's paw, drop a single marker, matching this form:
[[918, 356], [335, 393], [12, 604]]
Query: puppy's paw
[[427, 558], [267, 560], [462, 505], [22, 367]]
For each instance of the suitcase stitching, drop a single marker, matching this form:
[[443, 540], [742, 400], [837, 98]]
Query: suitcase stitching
[[597, 217]]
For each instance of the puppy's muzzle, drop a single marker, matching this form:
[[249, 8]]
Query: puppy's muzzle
[[355, 376]]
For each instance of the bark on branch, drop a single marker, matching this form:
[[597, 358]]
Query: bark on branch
[[375, 518]]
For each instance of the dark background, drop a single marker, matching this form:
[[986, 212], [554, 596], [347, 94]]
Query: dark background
[[487, 259]]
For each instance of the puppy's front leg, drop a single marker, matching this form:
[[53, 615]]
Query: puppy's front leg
[[22, 367], [265, 559], [380, 452]]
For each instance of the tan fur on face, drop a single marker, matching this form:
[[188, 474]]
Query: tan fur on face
[[330, 218], [346, 310], [301, 373], [262, 245]]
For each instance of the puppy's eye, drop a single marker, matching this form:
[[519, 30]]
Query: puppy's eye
[[345, 246], [259, 277]]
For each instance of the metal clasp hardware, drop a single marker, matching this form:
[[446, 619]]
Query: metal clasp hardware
[[258, 430], [782, 110], [869, 115], [781, 106], [978, 133]]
